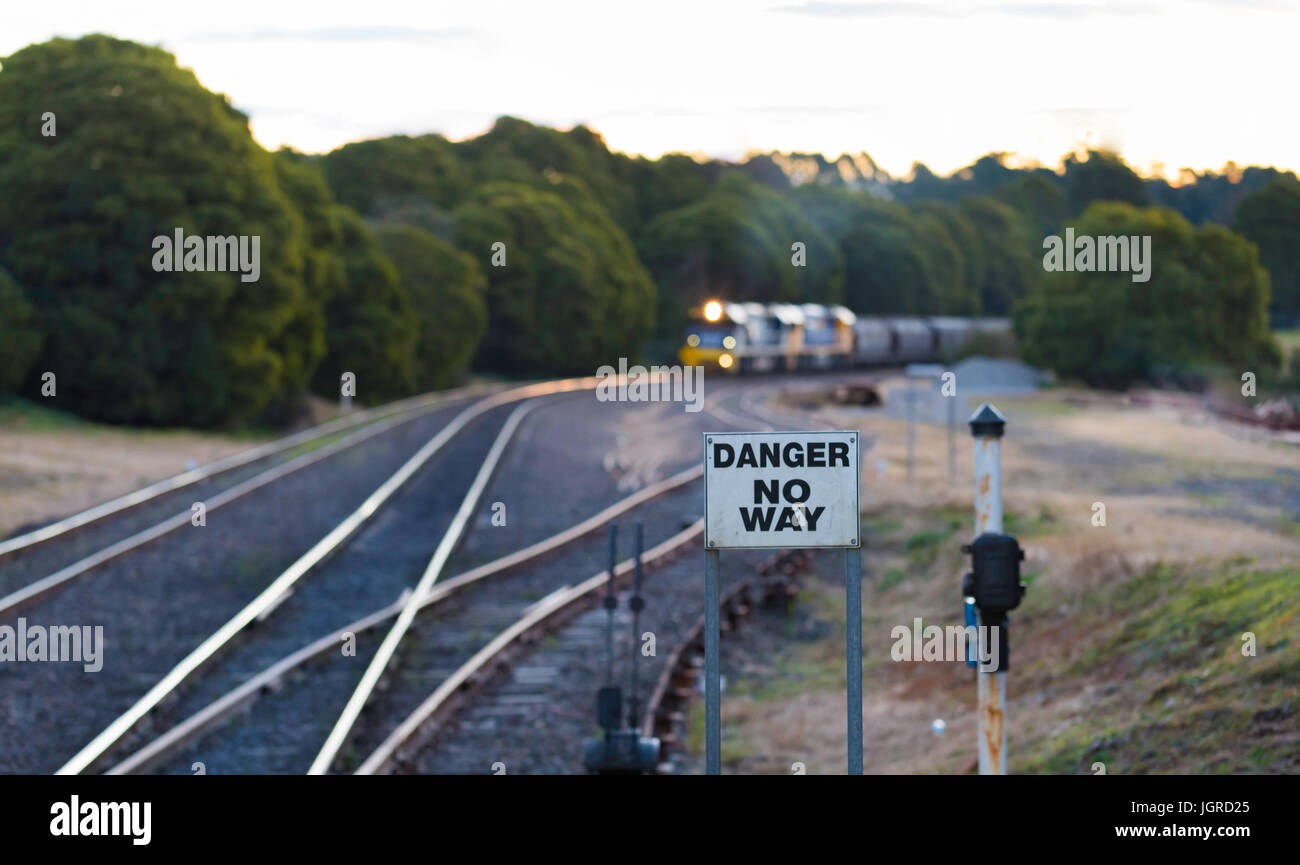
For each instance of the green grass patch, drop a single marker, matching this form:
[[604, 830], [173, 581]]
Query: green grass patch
[[890, 578], [23, 414]]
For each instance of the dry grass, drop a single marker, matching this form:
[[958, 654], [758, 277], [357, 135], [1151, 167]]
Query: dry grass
[[52, 466]]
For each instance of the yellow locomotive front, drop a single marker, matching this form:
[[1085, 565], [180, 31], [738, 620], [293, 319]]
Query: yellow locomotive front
[[715, 336]]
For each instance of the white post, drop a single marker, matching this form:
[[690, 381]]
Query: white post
[[987, 428]]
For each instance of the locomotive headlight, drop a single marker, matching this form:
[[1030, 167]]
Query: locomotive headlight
[[725, 361], [693, 340], [712, 310], [729, 342]]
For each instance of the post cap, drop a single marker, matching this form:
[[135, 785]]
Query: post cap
[[987, 423]]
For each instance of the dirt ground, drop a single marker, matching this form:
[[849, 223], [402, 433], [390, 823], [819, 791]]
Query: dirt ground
[[52, 466]]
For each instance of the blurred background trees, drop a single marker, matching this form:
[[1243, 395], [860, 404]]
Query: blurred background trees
[[377, 258]]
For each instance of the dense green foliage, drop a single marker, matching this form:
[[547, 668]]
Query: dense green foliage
[[447, 289], [1269, 217], [1101, 177], [20, 338], [1206, 303], [378, 258], [571, 293], [385, 173], [142, 148], [371, 329], [737, 242]]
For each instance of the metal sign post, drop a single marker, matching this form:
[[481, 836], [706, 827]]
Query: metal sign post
[[853, 653], [712, 668], [781, 490]]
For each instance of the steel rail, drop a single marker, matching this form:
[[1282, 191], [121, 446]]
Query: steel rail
[[450, 540], [207, 717], [271, 595], [33, 591], [136, 498], [538, 615]]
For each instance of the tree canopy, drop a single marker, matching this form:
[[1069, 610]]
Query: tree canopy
[[1206, 303], [536, 251], [569, 292], [142, 149], [1269, 217], [446, 288]]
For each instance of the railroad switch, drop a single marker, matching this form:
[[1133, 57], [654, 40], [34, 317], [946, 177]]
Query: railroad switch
[[621, 750]]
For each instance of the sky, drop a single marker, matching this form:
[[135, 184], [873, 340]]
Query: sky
[[1172, 84]]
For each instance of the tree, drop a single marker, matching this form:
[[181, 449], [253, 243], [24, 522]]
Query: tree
[[20, 337], [569, 295], [1270, 218], [370, 326], [1040, 201], [1102, 176], [886, 272], [964, 297], [1009, 269], [1206, 302], [516, 150], [446, 288], [143, 149], [373, 177], [736, 244]]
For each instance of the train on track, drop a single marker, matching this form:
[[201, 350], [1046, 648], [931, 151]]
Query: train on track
[[767, 337]]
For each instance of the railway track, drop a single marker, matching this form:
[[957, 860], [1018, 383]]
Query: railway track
[[130, 528], [420, 726], [262, 648], [58, 545], [156, 598], [454, 617], [455, 637], [282, 588], [166, 675], [566, 613]]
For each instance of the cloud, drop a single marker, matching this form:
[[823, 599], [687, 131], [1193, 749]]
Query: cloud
[[860, 10], [352, 34], [821, 9]]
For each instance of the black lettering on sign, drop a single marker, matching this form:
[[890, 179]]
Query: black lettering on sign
[[815, 455], [763, 518], [790, 496], [763, 490], [811, 516]]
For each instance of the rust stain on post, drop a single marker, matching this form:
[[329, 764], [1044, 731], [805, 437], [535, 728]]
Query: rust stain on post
[[990, 717]]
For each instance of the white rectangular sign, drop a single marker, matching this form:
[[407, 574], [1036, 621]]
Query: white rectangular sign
[[781, 489]]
